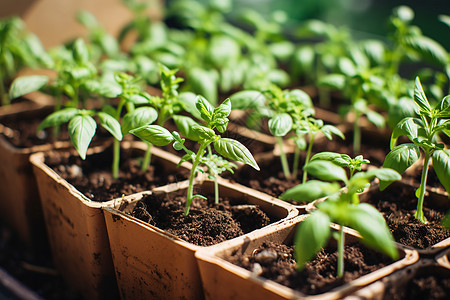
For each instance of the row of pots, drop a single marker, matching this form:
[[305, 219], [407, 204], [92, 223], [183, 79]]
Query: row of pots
[[96, 237]]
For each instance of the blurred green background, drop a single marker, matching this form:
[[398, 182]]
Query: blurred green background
[[364, 17]]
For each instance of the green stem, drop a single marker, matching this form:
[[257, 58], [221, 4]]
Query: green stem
[[283, 157], [195, 164], [422, 188], [147, 157], [341, 242], [356, 135], [296, 162], [216, 190], [116, 159], [308, 156]]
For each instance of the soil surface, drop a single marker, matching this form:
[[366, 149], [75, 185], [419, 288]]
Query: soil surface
[[93, 176], [207, 223], [276, 262], [398, 204]]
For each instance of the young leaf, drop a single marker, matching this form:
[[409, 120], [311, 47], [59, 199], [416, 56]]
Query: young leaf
[[188, 99], [441, 165], [185, 126], [153, 134], [81, 130], [310, 191], [139, 117], [326, 170], [280, 124], [311, 236], [223, 110], [370, 224], [26, 84], [234, 150], [420, 98], [247, 99], [375, 118], [328, 130], [111, 124], [58, 117], [409, 127], [205, 108], [385, 174]]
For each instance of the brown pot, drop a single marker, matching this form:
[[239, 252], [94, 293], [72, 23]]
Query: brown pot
[[224, 280], [76, 227], [153, 264], [20, 207]]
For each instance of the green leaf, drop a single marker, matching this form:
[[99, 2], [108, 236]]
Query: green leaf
[[188, 99], [81, 130], [205, 108], [326, 155], [311, 236], [375, 118], [247, 99], [111, 124], [428, 48], [444, 107], [234, 150], [80, 51], [385, 174], [138, 99], [223, 110], [333, 81], [399, 159], [58, 117], [326, 170], [310, 191], [153, 134], [138, 118], [441, 165], [407, 126], [185, 126], [26, 84], [370, 224], [280, 124], [420, 98], [204, 82], [328, 130], [202, 132]]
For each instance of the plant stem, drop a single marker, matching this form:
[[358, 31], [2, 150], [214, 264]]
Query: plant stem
[[423, 183], [296, 162], [195, 164], [116, 159], [147, 157], [284, 162], [341, 242], [356, 135], [216, 184], [308, 156]]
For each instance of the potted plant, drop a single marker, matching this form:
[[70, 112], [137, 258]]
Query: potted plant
[[163, 252]]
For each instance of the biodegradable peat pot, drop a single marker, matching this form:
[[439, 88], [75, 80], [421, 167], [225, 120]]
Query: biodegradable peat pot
[[151, 263], [20, 207], [76, 227], [429, 278], [225, 280]]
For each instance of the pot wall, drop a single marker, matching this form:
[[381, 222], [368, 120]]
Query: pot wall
[[224, 280], [76, 229], [152, 264]]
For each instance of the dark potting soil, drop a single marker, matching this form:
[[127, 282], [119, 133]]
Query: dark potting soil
[[93, 177], [398, 204], [276, 262], [207, 223]]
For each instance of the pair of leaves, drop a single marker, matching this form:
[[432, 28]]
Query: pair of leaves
[[82, 126]]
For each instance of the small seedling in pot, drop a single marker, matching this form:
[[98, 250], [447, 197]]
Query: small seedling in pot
[[204, 135], [342, 207], [423, 132]]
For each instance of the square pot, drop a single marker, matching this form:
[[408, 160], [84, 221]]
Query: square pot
[[222, 279], [151, 263], [76, 227]]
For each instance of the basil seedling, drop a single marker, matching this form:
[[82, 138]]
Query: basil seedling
[[423, 132], [204, 135], [341, 207]]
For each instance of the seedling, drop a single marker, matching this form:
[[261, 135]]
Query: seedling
[[287, 111], [423, 132], [343, 160], [342, 207], [204, 135], [19, 49]]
